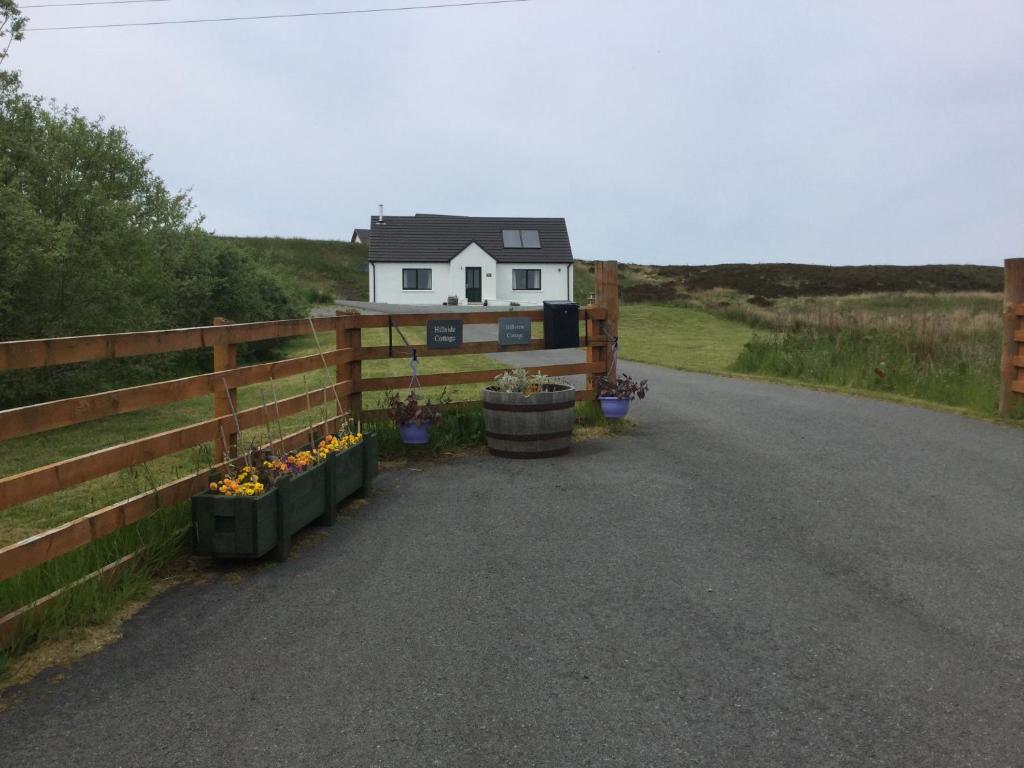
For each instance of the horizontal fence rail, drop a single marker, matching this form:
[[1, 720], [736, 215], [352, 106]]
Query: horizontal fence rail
[[45, 546], [31, 419], [39, 353], [17, 489], [473, 377], [342, 397]]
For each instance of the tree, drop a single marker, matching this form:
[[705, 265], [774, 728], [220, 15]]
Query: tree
[[12, 26], [92, 241]]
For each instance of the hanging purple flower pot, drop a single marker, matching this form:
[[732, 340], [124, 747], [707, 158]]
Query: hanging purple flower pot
[[614, 407], [414, 434]]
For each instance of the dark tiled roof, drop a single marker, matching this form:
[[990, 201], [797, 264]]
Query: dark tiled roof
[[362, 234], [430, 237]]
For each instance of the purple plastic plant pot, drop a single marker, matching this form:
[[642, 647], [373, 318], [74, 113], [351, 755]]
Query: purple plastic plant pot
[[414, 434], [614, 407]]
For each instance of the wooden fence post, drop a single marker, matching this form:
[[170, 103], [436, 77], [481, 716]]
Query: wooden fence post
[[608, 297], [348, 334], [606, 290], [595, 354], [225, 357], [1013, 324]]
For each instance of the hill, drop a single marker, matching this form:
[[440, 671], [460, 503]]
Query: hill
[[322, 270], [670, 283], [318, 271]]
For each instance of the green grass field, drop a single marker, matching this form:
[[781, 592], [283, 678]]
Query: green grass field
[[937, 348], [679, 337], [941, 348]]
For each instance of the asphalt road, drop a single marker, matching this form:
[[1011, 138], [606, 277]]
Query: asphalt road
[[755, 576]]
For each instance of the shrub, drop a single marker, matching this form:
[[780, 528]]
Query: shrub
[[94, 242]]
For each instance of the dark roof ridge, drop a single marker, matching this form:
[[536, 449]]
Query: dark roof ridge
[[479, 218], [434, 237]]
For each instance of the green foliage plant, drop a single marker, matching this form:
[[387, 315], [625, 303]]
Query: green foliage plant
[[518, 381]]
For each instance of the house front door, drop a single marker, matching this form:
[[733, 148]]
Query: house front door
[[473, 283]]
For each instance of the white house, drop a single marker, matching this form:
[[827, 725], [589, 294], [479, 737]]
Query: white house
[[432, 259]]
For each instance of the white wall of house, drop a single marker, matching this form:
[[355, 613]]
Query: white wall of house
[[386, 283], [449, 279], [555, 283]]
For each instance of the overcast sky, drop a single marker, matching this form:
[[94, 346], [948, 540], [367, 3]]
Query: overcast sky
[[665, 131]]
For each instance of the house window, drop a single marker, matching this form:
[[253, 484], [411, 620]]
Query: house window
[[520, 238], [526, 279], [416, 279]]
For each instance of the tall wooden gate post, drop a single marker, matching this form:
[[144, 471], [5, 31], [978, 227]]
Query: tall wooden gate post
[[349, 335], [606, 290], [225, 357], [1011, 393]]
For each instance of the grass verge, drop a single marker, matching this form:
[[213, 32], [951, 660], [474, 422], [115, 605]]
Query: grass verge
[[872, 361], [162, 538], [679, 337], [940, 350]]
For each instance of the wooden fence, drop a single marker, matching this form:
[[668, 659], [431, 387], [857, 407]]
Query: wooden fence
[[221, 431], [1011, 395]]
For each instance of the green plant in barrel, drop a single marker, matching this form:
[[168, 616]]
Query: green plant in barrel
[[518, 380]]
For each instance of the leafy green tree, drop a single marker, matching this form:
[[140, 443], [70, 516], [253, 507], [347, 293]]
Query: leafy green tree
[[94, 242], [12, 26]]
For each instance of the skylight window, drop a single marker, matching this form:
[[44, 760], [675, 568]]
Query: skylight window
[[520, 238]]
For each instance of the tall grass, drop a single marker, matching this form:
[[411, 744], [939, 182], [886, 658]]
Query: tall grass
[[936, 315], [942, 348], [162, 538]]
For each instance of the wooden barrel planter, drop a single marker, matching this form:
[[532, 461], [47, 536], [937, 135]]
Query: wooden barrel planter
[[533, 426]]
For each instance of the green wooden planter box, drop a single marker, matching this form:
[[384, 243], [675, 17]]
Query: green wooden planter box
[[252, 526], [236, 526], [301, 500], [352, 471]]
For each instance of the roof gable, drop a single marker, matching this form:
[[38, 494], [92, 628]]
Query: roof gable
[[437, 238]]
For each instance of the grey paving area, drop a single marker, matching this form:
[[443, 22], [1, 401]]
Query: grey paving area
[[755, 576]]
